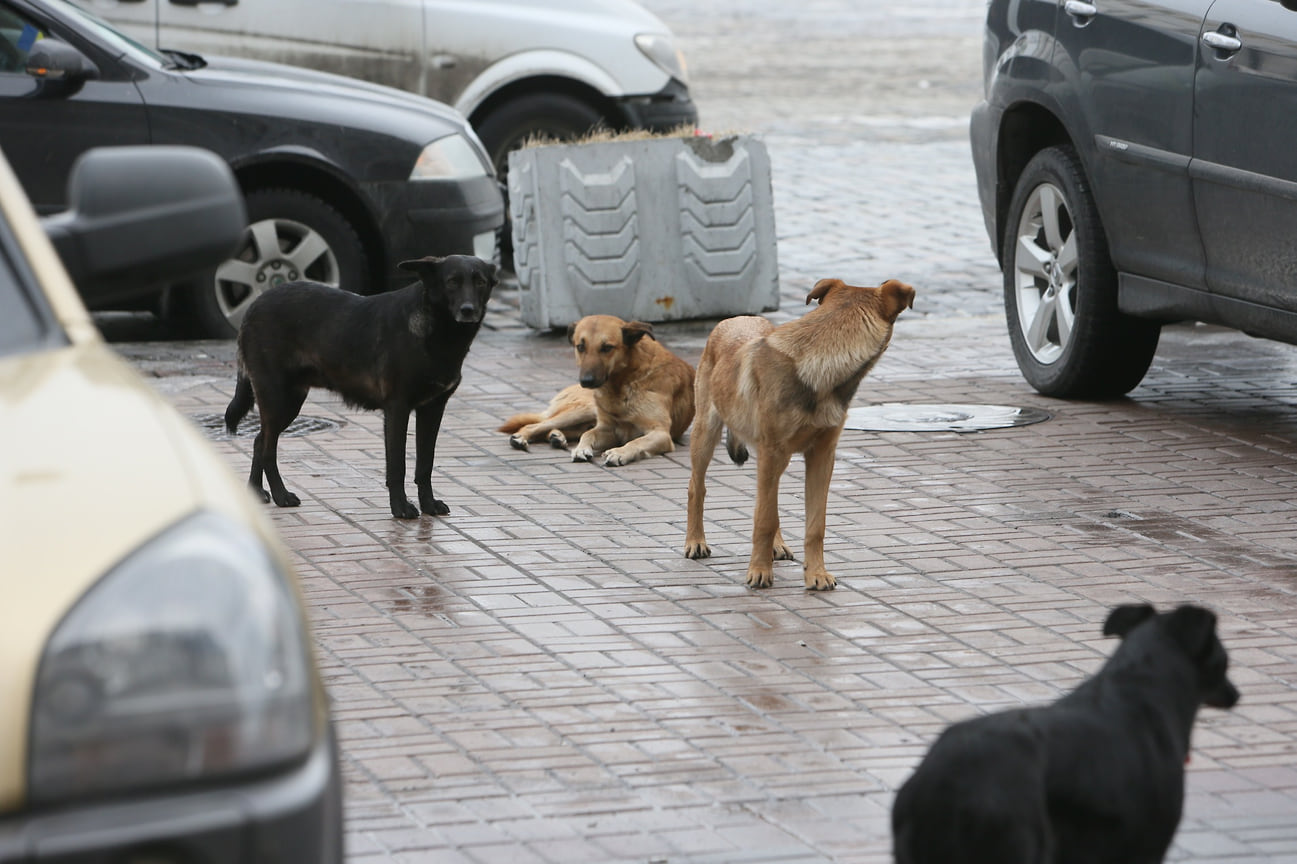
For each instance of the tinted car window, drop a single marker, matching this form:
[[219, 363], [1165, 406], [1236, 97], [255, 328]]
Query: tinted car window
[[17, 35]]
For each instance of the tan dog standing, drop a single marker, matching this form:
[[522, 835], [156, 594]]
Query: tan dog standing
[[785, 390], [634, 397]]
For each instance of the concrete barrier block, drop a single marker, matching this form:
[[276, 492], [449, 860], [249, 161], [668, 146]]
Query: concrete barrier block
[[656, 230]]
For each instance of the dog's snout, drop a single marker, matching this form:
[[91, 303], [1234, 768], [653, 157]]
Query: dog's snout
[[590, 380], [467, 312]]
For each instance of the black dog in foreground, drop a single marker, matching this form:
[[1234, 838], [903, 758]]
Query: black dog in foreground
[[399, 352], [1097, 777]]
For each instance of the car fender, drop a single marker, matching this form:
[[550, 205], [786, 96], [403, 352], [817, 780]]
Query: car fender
[[536, 64]]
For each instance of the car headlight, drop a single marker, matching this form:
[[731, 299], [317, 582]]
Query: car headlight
[[663, 52], [449, 158], [188, 660]]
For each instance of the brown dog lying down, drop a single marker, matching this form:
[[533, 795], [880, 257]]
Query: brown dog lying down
[[634, 399], [785, 390]]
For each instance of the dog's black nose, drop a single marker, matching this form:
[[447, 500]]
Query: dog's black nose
[[467, 312]]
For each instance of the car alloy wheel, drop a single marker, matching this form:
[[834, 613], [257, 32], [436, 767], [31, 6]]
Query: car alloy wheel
[[291, 235], [1060, 288], [273, 251]]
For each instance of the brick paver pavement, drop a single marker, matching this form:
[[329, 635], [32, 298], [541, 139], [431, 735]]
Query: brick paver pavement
[[543, 677]]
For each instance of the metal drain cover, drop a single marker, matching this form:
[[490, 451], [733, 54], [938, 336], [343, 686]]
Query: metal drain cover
[[908, 417], [214, 426]]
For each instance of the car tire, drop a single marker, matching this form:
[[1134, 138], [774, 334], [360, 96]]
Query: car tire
[[291, 235], [1060, 288], [552, 115]]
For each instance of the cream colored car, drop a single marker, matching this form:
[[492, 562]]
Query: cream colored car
[[158, 695]]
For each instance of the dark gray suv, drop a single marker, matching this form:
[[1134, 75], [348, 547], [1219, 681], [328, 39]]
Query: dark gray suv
[[1136, 166]]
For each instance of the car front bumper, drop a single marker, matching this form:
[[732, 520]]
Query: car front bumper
[[291, 817], [437, 217], [668, 109]]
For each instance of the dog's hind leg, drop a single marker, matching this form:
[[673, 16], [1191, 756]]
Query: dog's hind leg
[[771, 463], [702, 445], [819, 473], [275, 417], [427, 423], [240, 405]]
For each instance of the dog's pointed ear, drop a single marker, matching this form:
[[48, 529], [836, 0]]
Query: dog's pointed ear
[[899, 296], [1194, 628], [418, 265], [1123, 619], [571, 333], [633, 331], [821, 289]]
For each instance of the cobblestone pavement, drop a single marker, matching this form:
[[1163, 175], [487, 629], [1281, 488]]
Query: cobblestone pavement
[[543, 677]]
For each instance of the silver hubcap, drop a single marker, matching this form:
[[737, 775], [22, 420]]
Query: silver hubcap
[[273, 251], [1044, 273]]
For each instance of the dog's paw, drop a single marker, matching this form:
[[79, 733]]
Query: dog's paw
[[617, 457], [403, 509], [260, 493], [287, 499], [558, 440], [517, 442], [821, 581], [696, 549], [582, 454], [434, 506], [760, 577], [783, 553]]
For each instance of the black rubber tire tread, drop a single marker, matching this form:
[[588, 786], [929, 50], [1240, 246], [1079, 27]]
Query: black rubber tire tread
[[1108, 352], [511, 123]]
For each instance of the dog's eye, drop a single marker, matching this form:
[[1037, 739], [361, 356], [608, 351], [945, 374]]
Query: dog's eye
[[605, 348]]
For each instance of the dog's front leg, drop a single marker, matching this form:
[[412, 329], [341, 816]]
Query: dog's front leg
[[597, 440], [819, 473], [655, 442], [396, 420], [771, 463], [427, 423]]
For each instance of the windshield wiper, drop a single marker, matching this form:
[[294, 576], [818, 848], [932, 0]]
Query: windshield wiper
[[184, 60]]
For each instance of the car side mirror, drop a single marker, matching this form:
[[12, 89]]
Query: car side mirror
[[58, 66], [142, 216]]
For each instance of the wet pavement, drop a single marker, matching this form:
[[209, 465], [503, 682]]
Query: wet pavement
[[543, 677]]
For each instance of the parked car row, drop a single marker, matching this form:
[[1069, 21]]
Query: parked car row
[[342, 179], [1135, 166], [514, 68]]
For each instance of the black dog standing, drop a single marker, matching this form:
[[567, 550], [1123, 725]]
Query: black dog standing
[[1095, 778], [397, 352]]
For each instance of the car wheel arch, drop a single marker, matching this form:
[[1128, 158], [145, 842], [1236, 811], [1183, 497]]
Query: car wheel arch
[[1026, 128], [318, 181]]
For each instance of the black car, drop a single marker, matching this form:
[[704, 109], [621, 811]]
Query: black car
[[1136, 167], [342, 179]]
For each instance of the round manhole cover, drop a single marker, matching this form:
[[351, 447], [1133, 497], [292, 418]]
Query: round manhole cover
[[910, 417], [214, 426]]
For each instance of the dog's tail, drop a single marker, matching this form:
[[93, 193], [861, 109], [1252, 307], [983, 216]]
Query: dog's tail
[[737, 449], [240, 405], [517, 421]]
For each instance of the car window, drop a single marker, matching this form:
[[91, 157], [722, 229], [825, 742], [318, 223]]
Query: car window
[[17, 36]]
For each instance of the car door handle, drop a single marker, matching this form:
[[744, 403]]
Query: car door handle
[[1081, 11], [1223, 40]]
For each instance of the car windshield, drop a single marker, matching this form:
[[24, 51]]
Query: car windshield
[[106, 34]]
